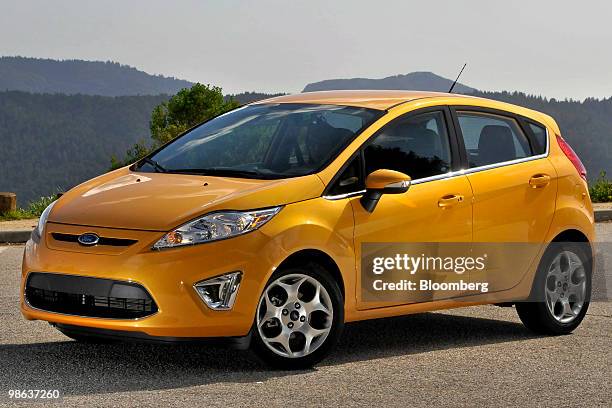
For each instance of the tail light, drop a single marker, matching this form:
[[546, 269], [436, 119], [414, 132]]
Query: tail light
[[572, 156]]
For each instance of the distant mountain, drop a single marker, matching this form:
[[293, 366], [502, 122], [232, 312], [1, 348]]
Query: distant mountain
[[415, 81], [82, 77], [50, 143]]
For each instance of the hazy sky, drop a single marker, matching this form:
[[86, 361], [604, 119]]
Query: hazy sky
[[553, 48]]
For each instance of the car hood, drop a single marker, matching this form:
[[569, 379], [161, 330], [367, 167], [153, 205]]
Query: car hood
[[161, 201]]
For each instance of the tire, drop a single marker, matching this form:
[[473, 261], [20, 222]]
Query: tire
[[555, 306], [292, 311]]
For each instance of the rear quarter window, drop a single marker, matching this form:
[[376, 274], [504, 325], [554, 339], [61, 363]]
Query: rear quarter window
[[539, 134]]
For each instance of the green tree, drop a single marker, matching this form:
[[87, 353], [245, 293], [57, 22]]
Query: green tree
[[184, 110]]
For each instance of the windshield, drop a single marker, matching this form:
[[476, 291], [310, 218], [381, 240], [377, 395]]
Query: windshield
[[264, 141]]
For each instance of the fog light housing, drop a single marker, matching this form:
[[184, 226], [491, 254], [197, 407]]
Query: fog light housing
[[219, 293]]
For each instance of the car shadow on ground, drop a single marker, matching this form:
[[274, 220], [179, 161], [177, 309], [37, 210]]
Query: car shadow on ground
[[81, 369]]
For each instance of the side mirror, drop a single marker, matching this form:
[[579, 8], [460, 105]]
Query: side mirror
[[381, 182]]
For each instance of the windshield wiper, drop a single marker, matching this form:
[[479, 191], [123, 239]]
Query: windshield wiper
[[158, 167]]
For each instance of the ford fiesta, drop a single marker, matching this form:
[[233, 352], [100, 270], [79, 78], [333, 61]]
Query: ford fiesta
[[248, 229]]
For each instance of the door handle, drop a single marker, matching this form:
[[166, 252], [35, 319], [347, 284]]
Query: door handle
[[450, 200], [539, 180]]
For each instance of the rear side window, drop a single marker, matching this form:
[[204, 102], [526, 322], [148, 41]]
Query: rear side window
[[416, 145], [491, 139], [539, 134]]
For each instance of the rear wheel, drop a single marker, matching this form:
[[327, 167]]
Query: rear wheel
[[561, 292], [299, 318]]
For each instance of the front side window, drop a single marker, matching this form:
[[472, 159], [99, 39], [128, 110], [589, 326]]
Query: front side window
[[492, 138], [416, 145], [264, 141]]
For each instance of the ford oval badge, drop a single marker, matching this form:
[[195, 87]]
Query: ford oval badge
[[88, 239]]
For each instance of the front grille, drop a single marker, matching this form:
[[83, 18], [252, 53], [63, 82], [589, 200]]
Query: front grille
[[58, 236], [88, 297]]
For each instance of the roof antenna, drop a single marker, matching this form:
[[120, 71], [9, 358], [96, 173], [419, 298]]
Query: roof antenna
[[456, 79]]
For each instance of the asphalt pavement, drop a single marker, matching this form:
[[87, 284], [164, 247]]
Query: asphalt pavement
[[477, 356]]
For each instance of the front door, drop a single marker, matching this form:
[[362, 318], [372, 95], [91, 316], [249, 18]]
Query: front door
[[436, 208]]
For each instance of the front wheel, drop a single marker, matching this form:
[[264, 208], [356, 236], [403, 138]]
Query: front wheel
[[299, 318], [561, 292]]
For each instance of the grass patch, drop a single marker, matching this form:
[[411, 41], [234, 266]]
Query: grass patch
[[34, 209], [601, 190]]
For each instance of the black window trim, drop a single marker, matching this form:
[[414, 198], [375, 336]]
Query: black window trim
[[453, 139], [522, 122]]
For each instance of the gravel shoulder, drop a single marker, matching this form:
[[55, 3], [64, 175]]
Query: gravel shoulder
[[18, 225]]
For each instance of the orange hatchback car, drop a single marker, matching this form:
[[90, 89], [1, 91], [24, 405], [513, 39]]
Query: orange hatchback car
[[250, 229]]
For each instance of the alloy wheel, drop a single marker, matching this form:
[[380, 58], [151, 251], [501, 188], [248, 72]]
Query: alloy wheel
[[294, 315], [565, 287]]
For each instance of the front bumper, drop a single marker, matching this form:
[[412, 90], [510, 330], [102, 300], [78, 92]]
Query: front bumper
[[167, 275], [239, 343]]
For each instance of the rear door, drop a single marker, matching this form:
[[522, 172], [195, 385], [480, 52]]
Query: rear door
[[514, 186]]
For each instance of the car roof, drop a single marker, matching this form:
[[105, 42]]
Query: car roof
[[374, 99], [387, 99]]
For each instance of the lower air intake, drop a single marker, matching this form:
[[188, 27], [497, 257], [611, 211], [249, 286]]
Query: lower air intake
[[88, 297]]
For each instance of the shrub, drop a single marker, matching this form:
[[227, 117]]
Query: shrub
[[34, 209], [37, 207], [601, 190]]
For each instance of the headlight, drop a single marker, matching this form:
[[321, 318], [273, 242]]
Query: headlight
[[42, 221], [216, 226]]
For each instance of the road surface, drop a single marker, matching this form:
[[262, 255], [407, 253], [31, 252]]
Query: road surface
[[467, 357]]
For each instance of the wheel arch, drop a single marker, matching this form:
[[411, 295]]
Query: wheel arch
[[575, 235], [570, 235], [306, 256]]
